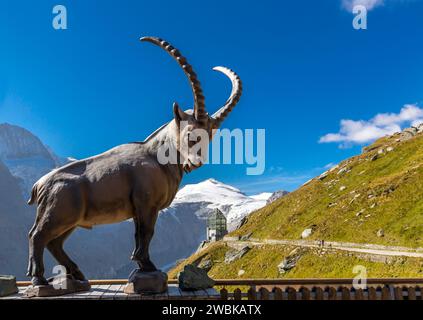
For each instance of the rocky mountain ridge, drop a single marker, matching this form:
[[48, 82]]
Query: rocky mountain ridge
[[25, 155]]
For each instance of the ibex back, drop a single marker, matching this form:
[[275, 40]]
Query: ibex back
[[125, 182]]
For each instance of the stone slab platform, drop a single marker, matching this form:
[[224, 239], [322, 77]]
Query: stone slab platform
[[115, 292]]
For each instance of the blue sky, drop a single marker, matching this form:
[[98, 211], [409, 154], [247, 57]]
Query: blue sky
[[93, 86]]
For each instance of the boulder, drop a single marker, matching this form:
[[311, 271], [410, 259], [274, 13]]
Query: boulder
[[306, 233], [194, 278], [286, 265], [412, 130], [342, 170], [323, 175], [290, 261], [408, 133], [233, 255], [7, 285], [276, 195]]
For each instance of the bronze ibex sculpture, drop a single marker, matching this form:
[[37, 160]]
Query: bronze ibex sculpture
[[125, 182]]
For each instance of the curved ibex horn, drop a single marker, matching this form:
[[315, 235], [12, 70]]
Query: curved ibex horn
[[199, 105], [223, 112]]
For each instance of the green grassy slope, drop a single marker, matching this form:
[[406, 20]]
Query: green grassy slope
[[387, 191], [382, 188], [263, 261]]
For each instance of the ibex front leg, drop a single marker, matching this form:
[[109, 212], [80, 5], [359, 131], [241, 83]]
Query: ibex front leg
[[145, 221]]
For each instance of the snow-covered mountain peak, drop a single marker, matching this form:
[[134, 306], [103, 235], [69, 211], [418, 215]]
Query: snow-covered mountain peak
[[206, 190], [207, 195]]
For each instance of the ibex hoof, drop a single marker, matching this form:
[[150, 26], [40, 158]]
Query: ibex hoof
[[39, 281]]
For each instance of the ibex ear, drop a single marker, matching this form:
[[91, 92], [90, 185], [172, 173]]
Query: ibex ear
[[178, 113]]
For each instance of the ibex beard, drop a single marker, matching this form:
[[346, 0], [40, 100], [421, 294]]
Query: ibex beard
[[125, 182]]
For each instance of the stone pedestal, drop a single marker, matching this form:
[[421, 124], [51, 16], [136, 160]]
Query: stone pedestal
[[146, 282], [7, 286], [65, 285]]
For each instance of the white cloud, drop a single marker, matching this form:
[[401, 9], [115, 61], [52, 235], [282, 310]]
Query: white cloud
[[364, 131], [369, 4]]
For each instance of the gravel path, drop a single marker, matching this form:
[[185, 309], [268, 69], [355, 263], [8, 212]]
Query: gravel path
[[346, 246]]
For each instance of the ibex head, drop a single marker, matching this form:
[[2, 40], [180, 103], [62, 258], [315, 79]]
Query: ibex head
[[189, 127]]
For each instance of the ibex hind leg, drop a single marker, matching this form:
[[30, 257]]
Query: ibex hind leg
[[55, 247], [37, 241], [47, 229]]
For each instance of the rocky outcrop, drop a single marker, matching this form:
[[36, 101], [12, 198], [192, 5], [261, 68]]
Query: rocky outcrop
[[276, 195], [291, 260], [233, 255], [409, 133]]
